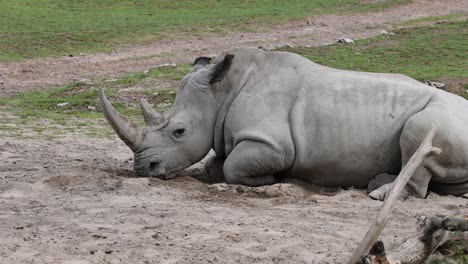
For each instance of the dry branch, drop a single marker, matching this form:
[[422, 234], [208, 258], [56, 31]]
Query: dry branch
[[434, 232], [382, 218]]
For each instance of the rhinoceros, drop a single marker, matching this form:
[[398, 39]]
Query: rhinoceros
[[271, 115]]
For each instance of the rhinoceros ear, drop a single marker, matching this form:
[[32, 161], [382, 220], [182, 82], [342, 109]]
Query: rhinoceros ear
[[202, 61], [219, 69]]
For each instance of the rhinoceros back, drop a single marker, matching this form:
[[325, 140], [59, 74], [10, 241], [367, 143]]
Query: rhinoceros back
[[347, 125]]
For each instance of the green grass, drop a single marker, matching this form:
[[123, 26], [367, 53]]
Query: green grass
[[449, 17], [171, 73], [41, 28], [425, 53]]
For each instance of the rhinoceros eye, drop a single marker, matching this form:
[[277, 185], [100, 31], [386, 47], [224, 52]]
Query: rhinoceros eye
[[178, 133]]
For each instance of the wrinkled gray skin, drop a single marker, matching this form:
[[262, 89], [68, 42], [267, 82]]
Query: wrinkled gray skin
[[271, 115]]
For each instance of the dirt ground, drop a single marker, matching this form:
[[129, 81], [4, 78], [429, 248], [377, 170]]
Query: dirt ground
[[76, 200]]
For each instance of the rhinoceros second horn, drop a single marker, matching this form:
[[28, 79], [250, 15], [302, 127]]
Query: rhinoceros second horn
[[151, 116]]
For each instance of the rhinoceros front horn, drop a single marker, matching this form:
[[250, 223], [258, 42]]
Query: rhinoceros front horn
[[151, 116], [128, 131]]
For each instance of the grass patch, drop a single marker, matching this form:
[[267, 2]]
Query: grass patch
[[74, 108], [55, 28], [425, 53], [166, 72], [448, 17]]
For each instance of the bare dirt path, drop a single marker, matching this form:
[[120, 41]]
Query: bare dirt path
[[76, 201], [316, 30]]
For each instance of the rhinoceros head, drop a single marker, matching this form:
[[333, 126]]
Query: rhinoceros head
[[181, 136]]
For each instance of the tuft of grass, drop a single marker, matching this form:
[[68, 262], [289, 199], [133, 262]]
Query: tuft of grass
[[42, 28], [424, 53]]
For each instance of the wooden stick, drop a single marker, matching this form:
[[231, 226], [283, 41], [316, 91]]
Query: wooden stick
[[382, 218], [433, 233]]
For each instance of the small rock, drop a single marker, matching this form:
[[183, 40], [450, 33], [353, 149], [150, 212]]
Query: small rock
[[285, 45], [145, 72], [171, 65], [278, 46], [85, 80], [436, 84], [385, 32], [156, 93], [92, 108], [62, 104], [172, 92], [345, 40]]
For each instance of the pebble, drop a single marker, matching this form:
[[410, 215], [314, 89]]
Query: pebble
[[385, 32], [436, 84], [345, 40]]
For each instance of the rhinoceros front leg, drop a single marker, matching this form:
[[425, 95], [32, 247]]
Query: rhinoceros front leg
[[254, 164], [214, 167]]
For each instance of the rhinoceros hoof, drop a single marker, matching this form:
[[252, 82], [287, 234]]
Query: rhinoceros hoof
[[384, 191], [379, 181], [381, 193]]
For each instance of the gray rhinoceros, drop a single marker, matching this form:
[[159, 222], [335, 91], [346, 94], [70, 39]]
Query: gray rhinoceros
[[271, 115]]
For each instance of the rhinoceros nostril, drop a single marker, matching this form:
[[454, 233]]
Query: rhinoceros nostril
[[153, 165]]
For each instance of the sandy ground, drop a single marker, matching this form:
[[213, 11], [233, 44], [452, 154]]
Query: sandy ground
[[76, 200], [313, 31]]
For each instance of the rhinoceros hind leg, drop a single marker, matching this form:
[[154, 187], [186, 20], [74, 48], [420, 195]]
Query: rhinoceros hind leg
[[417, 186], [253, 163], [457, 189]]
